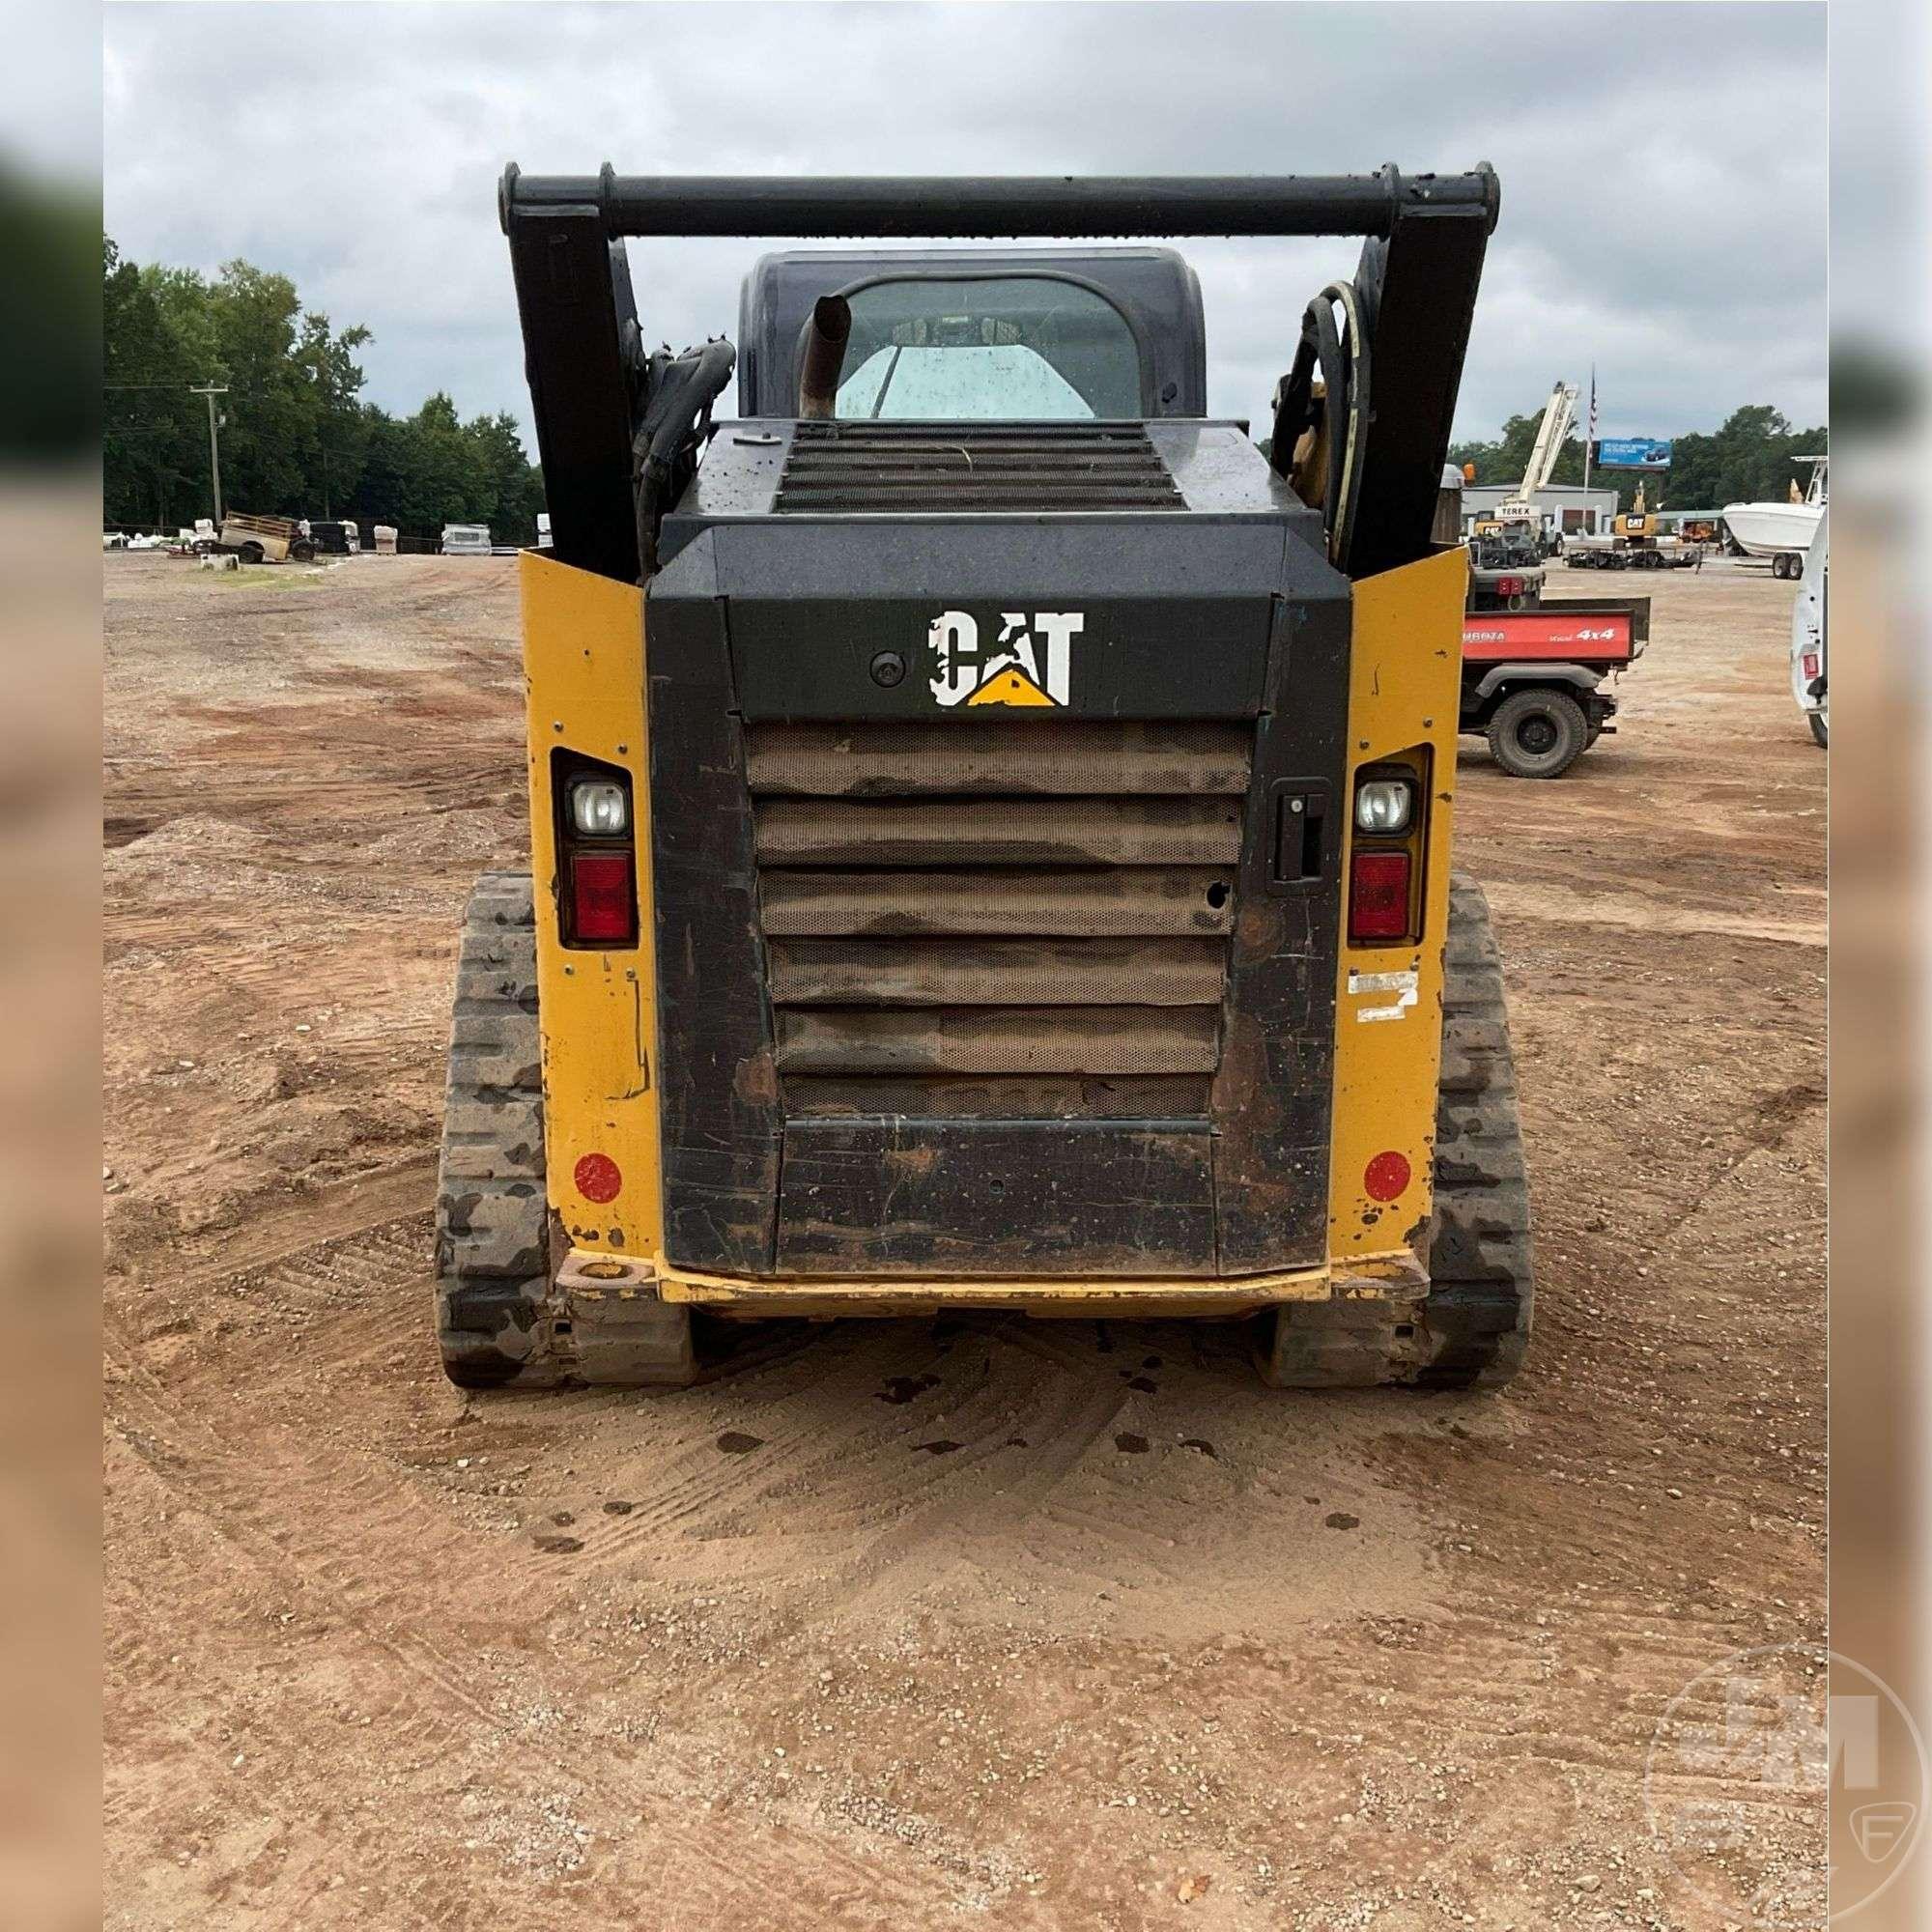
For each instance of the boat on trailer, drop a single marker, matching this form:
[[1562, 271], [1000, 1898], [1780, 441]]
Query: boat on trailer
[[1782, 532]]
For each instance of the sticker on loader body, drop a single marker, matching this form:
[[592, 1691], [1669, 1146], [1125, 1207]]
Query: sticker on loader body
[[1031, 663], [1401, 984]]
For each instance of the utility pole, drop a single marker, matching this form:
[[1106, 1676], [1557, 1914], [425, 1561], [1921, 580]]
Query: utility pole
[[211, 390]]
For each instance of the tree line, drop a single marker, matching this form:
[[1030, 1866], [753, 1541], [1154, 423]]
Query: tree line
[[299, 440], [1752, 457]]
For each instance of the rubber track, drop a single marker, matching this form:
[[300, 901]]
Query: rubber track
[[491, 1218], [499, 1317], [1482, 1278]]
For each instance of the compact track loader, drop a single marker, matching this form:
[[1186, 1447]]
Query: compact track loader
[[990, 822]]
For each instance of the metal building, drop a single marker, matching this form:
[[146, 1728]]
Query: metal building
[[1568, 508]]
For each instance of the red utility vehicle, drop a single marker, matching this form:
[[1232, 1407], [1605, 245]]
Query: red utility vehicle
[[1533, 681]]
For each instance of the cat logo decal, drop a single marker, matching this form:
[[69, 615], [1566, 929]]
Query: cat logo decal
[[1031, 663]]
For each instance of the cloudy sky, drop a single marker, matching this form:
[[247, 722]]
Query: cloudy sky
[[1662, 165]]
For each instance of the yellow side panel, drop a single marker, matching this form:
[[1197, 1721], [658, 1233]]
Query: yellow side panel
[[1404, 683], [584, 663]]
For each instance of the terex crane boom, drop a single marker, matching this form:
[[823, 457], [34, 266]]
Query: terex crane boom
[[1509, 543], [1557, 416]]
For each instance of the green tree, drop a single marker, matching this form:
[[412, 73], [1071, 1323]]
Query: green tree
[[441, 484], [378, 494], [145, 426], [297, 439], [339, 437], [270, 407], [512, 487]]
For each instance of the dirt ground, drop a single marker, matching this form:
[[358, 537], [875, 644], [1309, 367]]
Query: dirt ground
[[893, 1624]]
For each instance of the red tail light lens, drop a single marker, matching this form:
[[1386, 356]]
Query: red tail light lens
[[1379, 896], [603, 898]]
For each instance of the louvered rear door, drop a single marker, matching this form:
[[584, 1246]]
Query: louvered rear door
[[1019, 919], [1002, 946]]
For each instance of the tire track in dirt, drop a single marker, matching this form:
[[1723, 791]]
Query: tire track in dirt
[[202, 1475], [1028, 1490], [431, 1697], [1565, 905], [378, 1513]]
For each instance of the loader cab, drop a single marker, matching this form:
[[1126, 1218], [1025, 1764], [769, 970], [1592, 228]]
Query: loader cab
[[1108, 334]]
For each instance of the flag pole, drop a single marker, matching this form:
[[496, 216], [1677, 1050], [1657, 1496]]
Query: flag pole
[[1590, 433]]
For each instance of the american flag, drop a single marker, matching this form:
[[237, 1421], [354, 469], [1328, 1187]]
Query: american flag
[[1591, 433]]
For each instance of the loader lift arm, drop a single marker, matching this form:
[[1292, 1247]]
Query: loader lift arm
[[1409, 307]]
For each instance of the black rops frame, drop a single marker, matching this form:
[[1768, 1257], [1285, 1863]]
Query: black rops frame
[[1421, 262]]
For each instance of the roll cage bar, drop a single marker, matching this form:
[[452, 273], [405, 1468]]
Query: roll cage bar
[[592, 381]]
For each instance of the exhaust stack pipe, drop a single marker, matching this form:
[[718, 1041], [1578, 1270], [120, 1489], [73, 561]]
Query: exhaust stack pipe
[[825, 337]]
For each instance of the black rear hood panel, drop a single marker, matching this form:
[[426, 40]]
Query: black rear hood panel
[[1173, 616], [775, 624]]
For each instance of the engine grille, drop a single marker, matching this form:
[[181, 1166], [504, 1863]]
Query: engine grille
[[1034, 467], [1010, 920]]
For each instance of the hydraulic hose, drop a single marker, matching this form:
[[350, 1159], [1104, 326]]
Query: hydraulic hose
[[1340, 351]]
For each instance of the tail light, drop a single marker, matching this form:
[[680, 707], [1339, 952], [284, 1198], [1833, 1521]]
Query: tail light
[[1378, 894], [603, 898], [1510, 586], [1389, 831], [1809, 662], [596, 852]]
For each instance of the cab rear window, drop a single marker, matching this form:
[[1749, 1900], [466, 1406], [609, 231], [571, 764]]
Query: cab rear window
[[1020, 347]]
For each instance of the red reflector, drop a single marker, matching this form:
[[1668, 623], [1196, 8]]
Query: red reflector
[[1379, 896], [602, 897], [1386, 1176], [598, 1179], [1510, 586], [1810, 662]]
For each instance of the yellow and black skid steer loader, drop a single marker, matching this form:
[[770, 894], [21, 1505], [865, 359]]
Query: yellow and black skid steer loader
[[990, 821]]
